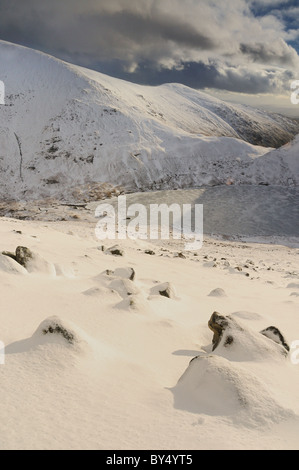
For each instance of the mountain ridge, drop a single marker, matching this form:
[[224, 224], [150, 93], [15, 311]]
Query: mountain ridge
[[64, 126]]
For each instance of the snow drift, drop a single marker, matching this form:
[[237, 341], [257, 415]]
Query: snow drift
[[213, 385], [280, 166], [103, 374], [223, 383]]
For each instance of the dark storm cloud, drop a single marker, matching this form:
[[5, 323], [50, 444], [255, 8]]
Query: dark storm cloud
[[145, 28], [199, 75], [278, 53], [196, 42], [96, 30]]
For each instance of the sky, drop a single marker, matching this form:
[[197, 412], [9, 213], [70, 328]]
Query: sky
[[240, 50]]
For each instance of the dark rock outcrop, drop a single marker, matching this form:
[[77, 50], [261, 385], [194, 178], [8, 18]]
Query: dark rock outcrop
[[273, 333], [217, 324], [22, 255], [115, 251], [227, 331], [58, 329]]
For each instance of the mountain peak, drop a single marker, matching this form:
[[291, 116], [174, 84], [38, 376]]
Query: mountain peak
[[64, 126]]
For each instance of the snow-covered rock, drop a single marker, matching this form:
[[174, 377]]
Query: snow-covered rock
[[235, 342], [218, 292], [124, 287], [212, 385], [31, 262], [165, 290], [9, 265]]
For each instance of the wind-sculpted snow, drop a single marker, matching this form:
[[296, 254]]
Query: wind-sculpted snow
[[64, 127], [280, 167], [8, 265], [222, 383], [93, 356], [237, 343], [212, 385]]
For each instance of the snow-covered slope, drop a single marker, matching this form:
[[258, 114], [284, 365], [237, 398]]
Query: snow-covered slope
[[64, 126], [280, 166], [89, 367]]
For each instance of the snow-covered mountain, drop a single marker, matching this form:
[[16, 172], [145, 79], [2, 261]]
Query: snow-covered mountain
[[64, 127], [280, 166]]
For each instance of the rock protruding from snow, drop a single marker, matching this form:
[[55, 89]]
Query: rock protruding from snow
[[32, 262], [273, 333], [219, 384], [165, 290], [22, 255], [234, 341], [115, 251], [56, 330], [217, 324]]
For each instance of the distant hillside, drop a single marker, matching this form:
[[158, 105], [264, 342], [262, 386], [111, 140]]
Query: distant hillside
[[64, 127]]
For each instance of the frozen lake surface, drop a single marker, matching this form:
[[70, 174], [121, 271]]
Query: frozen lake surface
[[232, 211]]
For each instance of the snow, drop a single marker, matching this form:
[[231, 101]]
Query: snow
[[9, 265], [213, 386], [280, 166], [124, 380], [217, 293], [115, 352], [64, 127]]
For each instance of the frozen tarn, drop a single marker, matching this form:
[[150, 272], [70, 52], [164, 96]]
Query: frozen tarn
[[265, 213]]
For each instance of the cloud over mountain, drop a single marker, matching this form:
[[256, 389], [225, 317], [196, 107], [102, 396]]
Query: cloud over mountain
[[237, 45]]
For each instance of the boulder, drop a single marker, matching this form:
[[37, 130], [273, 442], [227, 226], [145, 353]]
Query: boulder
[[31, 261], [217, 324], [237, 342], [57, 329], [115, 251], [23, 255], [165, 290], [273, 333]]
